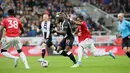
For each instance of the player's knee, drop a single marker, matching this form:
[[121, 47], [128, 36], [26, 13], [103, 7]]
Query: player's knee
[[2, 50], [125, 49], [67, 49], [43, 45], [19, 51], [59, 49]]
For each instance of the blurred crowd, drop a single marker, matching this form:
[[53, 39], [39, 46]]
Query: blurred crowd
[[30, 13], [111, 6]]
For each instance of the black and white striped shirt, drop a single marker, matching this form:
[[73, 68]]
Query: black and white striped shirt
[[46, 28]]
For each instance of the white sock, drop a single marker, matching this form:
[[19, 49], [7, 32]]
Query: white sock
[[68, 53], [6, 54], [23, 57], [100, 53], [80, 53], [60, 51]]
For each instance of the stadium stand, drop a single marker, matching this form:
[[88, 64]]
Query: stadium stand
[[30, 13]]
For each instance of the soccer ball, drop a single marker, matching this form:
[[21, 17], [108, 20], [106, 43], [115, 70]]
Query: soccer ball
[[44, 63]]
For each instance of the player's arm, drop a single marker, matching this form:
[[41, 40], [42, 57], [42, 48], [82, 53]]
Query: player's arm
[[76, 22], [22, 30], [76, 31], [52, 28], [21, 27], [63, 32], [60, 32]]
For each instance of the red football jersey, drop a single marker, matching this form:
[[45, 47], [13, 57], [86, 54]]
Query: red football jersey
[[12, 26], [84, 32]]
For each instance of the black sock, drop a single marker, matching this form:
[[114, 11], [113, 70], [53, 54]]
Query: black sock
[[128, 54], [43, 53], [64, 53], [71, 56]]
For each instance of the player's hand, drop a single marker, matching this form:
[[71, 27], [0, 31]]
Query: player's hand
[[79, 34], [55, 34], [54, 30]]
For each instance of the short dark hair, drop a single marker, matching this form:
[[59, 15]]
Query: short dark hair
[[11, 12], [81, 17]]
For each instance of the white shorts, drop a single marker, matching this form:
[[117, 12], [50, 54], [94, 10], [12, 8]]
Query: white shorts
[[88, 44], [8, 42]]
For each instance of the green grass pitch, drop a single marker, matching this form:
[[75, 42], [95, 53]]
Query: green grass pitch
[[59, 64]]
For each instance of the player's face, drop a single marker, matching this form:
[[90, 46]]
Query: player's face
[[60, 19], [120, 18], [45, 17]]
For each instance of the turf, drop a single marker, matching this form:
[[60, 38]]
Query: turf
[[59, 64]]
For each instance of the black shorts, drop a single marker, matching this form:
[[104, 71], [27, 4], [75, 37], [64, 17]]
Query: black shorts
[[68, 41], [48, 42], [125, 42]]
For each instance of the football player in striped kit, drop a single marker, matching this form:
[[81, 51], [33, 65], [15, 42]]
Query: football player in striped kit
[[46, 27]]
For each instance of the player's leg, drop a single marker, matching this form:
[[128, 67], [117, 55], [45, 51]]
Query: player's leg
[[80, 49], [5, 46], [61, 47], [128, 54], [126, 51], [61, 51], [80, 53], [69, 54], [18, 46], [43, 48], [45, 44], [125, 43], [68, 46], [51, 45], [126, 46], [89, 44], [85, 53], [94, 51]]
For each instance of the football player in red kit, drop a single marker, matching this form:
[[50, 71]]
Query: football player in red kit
[[86, 41], [14, 28]]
